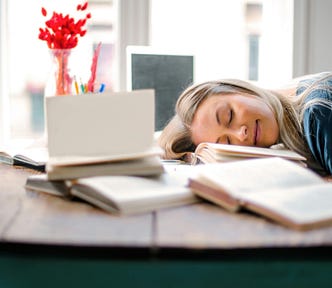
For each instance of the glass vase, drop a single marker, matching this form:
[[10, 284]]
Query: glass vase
[[60, 80]]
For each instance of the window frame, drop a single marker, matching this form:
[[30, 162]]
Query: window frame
[[4, 95]]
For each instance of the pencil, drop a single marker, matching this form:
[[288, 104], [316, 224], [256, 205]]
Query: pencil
[[76, 87]]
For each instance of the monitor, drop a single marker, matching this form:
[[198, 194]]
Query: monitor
[[168, 73]]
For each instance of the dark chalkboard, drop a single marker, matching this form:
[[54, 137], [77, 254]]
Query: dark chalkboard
[[169, 75]]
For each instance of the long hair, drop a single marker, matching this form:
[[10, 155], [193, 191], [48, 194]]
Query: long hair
[[288, 110]]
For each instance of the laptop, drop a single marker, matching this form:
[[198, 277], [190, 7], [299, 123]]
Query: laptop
[[167, 72]]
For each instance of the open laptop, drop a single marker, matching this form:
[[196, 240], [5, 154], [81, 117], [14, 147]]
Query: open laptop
[[167, 72]]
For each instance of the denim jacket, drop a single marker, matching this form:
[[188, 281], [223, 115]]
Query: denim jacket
[[317, 121]]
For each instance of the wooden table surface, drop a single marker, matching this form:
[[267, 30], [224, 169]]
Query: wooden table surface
[[38, 218], [51, 242]]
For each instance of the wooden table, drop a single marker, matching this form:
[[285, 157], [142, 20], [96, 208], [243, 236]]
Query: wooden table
[[47, 239]]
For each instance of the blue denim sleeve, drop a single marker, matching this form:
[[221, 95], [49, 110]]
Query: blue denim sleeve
[[317, 126]]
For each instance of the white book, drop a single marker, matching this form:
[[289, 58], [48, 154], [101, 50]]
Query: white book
[[121, 194], [215, 153], [30, 154], [279, 189], [102, 134], [99, 127]]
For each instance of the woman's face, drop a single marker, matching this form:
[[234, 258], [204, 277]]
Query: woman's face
[[238, 119]]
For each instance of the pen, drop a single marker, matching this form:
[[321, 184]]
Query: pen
[[102, 88]]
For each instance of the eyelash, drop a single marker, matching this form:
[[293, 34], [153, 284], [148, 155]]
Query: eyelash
[[230, 116], [228, 140]]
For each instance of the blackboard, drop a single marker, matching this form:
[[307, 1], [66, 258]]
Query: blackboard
[[168, 75]]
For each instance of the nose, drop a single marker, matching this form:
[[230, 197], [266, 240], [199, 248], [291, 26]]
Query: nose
[[241, 133]]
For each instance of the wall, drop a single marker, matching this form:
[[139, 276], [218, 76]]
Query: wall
[[312, 41]]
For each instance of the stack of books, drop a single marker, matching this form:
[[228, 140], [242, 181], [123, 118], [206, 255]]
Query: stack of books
[[99, 144], [101, 134]]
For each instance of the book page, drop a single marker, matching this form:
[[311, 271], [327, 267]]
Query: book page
[[101, 124], [129, 194], [304, 205], [219, 150], [29, 151], [11, 148], [238, 178], [34, 155]]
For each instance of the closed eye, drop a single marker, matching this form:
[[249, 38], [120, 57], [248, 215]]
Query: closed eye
[[230, 117], [217, 118]]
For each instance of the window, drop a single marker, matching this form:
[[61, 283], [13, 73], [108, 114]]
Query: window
[[230, 39], [253, 19], [238, 38], [25, 60]]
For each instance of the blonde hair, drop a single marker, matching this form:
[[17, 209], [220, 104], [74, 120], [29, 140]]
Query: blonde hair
[[176, 141]]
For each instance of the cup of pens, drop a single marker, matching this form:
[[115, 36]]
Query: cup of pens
[[82, 88]]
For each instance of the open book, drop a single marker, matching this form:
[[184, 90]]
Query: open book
[[120, 194], [101, 134], [32, 155], [214, 152], [276, 188]]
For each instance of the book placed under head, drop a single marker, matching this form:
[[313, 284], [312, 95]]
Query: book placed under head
[[214, 152], [276, 188], [120, 194], [101, 134]]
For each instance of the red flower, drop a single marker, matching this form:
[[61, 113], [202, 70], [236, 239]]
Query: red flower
[[44, 12], [62, 32]]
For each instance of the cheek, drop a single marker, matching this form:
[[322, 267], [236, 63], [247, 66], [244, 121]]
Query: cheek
[[272, 127], [264, 111], [196, 132], [202, 132], [274, 130]]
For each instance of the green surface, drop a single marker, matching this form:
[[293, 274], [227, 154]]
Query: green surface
[[22, 271]]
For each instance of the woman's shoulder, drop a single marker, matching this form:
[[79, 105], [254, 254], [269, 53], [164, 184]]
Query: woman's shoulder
[[317, 121], [311, 78], [316, 86]]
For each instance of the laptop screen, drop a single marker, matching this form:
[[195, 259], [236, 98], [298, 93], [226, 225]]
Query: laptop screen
[[167, 73]]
